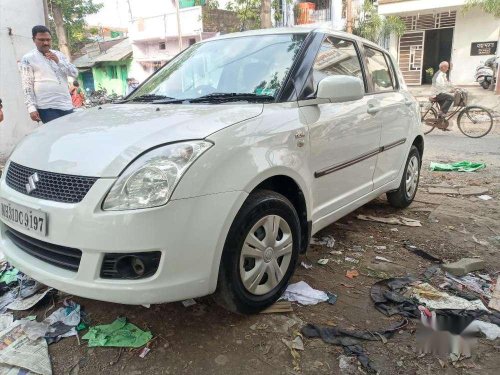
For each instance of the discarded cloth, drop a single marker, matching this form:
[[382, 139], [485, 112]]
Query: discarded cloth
[[391, 220], [435, 299], [9, 276], [461, 166], [117, 334], [490, 330], [302, 293], [28, 303], [350, 339], [389, 299]]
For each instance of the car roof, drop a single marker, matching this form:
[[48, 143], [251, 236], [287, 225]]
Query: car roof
[[292, 30]]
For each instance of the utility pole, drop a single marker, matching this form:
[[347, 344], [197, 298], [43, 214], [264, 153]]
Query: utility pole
[[46, 13], [130, 11], [349, 16], [178, 24]]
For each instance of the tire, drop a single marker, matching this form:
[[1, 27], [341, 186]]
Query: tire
[[405, 194], [485, 85], [430, 116], [475, 121], [266, 273]]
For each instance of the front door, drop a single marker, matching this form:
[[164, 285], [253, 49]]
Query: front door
[[344, 138]]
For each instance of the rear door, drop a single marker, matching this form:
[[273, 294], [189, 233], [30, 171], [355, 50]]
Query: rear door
[[344, 138], [391, 110]]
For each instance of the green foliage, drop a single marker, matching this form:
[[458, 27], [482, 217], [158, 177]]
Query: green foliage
[[248, 12], [374, 27], [488, 6], [74, 13]]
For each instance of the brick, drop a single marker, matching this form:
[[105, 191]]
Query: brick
[[464, 266], [442, 190], [472, 190]]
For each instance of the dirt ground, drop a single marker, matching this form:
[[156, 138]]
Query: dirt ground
[[205, 339]]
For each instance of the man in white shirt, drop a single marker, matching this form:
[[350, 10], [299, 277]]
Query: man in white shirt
[[44, 75], [442, 89]]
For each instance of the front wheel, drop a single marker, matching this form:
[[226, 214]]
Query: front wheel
[[475, 121], [260, 253], [407, 190], [485, 84]]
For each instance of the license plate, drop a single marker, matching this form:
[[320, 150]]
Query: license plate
[[24, 217]]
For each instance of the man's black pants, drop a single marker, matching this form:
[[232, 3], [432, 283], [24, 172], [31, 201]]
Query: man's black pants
[[445, 101]]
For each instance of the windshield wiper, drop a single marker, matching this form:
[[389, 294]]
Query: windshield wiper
[[219, 98], [150, 98]]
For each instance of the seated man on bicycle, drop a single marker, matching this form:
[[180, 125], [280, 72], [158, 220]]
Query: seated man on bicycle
[[442, 89]]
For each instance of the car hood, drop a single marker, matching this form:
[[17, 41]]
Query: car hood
[[102, 142]]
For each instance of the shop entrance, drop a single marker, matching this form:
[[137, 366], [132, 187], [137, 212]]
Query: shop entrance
[[437, 48]]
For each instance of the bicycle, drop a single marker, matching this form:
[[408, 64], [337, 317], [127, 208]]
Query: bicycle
[[473, 121]]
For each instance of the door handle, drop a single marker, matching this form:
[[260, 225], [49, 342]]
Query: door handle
[[373, 109]]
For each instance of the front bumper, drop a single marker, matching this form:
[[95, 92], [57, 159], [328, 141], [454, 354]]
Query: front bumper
[[190, 234]]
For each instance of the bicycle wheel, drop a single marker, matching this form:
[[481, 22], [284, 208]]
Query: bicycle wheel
[[475, 121], [429, 119]]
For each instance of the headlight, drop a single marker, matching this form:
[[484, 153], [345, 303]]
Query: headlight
[[150, 180]]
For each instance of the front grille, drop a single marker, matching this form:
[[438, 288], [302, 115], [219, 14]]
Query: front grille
[[60, 256], [50, 186]]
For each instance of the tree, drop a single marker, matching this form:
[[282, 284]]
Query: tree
[[370, 25], [67, 21], [265, 14], [488, 6]]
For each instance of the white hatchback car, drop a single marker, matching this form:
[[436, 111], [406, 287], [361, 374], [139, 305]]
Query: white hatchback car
[[214, 173]]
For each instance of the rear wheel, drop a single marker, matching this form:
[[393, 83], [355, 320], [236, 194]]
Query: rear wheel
[[429, 119], [260, 253], [475, 121], [407, 190]]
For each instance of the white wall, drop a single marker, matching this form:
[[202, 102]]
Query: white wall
[[473, 26], [20, 16], [417, 6]]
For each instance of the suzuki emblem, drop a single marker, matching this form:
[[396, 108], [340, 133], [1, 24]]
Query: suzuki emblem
[[32, 180]]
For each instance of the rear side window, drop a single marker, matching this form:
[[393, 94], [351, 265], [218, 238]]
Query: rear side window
[[378, 70], [336, 57]]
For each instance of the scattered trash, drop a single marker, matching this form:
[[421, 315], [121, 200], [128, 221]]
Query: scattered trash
[[351, 260], [302, 293], [296, 343], [348, 365], [490, 330], [117, 334], [357, 248], [323, 261], [391, 220], [421, 253], [473, 283], [480, 242], [306, 266], [485, 197], [394, 230], [382, 259], [144, 352], [431, 271], [495, 299], [462, 166], [434, 299], [6, 321], [9, 275], [336, 252], [464, 266], [351, 274], [28, 303], [327, 241], [388, 296], [188, 302], [28, 286], [381, 247], [19, 354], [350, 339], [332, 298], [278, 307]]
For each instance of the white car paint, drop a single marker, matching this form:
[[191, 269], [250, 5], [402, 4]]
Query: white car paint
[[252, 142]]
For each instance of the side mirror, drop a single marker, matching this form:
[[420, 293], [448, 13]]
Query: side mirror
[[340, 89]]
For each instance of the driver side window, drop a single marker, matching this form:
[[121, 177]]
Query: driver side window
[[336, 57]]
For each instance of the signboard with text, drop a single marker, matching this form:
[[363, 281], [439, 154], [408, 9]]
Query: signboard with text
[[483, 48]]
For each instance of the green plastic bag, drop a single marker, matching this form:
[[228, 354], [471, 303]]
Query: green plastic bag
[[9, 276], [117, 334], [461, 166]]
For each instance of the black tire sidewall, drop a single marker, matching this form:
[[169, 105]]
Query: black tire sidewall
[[413, 152], [263, 204]]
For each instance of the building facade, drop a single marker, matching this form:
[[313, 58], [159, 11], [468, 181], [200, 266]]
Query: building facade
[[440, 30]]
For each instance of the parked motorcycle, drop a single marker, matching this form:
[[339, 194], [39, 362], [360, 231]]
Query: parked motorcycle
[[486, 72]]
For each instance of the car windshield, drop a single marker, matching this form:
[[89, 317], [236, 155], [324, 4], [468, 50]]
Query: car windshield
[[244, 68]]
